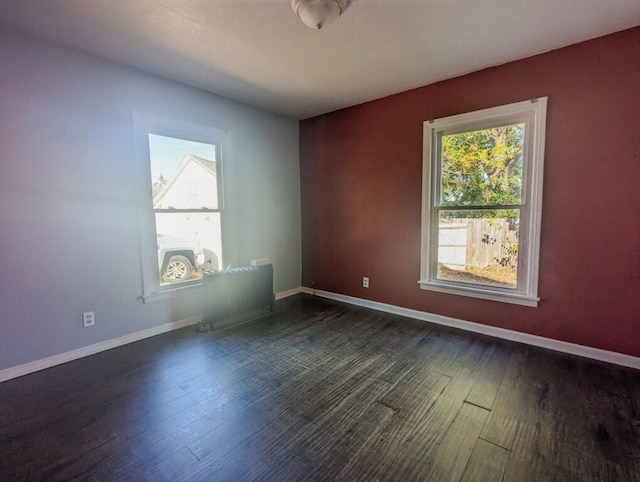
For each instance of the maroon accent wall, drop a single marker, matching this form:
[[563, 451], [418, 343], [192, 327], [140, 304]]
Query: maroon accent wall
[[361, 173]]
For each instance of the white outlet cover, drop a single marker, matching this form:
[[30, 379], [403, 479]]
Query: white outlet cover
[[88, 318]]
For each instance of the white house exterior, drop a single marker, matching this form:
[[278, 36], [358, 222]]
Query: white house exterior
[[193, 185]]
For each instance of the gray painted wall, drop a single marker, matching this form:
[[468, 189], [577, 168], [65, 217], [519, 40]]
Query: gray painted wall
[[68, 223]]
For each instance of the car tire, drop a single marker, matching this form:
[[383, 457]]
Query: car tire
[[178, 269]]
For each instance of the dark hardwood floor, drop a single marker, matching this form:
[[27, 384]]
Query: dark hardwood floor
[[323, 391]]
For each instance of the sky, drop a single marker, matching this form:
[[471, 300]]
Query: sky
[[166, 153]]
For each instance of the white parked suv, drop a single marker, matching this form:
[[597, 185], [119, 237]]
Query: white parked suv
[[179, 257]]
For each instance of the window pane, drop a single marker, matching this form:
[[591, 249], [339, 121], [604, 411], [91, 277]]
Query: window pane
[[188, 245], [483, 167], [183, 173], [479, 246]]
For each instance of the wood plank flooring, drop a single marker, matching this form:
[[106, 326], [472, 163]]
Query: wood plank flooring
[[320, 390]]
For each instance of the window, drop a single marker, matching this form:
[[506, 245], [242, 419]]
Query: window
[[181, 202], [482, 199]]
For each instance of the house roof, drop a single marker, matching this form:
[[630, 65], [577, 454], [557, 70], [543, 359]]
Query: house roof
[[210, 166]]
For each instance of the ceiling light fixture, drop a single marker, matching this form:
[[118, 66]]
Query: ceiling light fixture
[[318, 13]]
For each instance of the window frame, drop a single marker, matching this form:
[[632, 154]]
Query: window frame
[[533, 114], [143, 125]]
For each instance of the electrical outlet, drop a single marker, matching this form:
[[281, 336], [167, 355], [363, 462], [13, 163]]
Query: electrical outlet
[[365, 282], [88, 318]]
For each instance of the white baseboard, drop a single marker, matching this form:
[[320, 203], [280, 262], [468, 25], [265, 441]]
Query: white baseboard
[[549, 343], [287, 293], [37, 365]]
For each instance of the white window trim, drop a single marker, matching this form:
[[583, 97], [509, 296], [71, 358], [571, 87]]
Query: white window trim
[[143, 125], [533, 113]]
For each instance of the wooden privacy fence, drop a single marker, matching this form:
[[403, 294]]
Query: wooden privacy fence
[[475, 242]]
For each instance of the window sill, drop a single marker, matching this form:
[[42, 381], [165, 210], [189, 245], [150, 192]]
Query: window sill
[[166, 293], [480, 292]]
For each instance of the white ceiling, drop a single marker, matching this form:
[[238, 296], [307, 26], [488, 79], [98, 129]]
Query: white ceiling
[[258, 52]]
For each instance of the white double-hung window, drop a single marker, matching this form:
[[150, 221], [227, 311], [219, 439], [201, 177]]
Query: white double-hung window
[[482, 202], [182, 206]]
